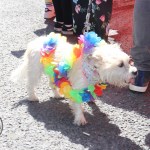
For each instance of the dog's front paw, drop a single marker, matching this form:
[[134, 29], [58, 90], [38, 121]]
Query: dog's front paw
[[80, 121], [33, 98], [57, 97]]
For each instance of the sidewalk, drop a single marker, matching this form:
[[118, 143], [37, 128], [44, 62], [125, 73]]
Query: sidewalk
[[120, 119]]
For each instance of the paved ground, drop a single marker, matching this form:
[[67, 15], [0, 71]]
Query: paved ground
[[120, 120]]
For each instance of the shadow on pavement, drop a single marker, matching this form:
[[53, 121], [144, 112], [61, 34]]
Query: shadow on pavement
[[128, 100], [18, 54], [49, 28], [147, 140], [98, 134]]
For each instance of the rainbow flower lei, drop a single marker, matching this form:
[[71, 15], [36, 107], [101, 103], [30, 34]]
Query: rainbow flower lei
[[58, 71]]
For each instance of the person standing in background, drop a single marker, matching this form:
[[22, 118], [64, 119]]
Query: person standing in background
[[64, 22], [141, 50], [92, 15]]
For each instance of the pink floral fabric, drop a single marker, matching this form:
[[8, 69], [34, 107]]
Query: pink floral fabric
[[93, 17]]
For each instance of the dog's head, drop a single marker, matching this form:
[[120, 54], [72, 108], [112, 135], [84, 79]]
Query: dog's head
[[113, 65]]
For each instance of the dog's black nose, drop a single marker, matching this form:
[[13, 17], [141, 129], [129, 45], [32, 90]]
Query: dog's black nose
[[134, 73]]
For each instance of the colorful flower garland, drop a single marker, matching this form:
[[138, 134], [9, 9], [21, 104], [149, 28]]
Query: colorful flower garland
[[58, 71]]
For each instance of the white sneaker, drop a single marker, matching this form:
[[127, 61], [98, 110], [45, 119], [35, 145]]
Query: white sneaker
[[49, 12], [141, 81]]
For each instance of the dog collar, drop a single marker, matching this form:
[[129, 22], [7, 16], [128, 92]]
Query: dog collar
[[89, 71]]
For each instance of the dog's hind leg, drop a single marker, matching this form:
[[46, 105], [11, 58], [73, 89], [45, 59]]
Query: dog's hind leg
[[78, 113], [34, 72], [31, 83]]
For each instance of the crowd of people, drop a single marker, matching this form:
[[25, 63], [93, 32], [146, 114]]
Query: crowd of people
[[78, 16]]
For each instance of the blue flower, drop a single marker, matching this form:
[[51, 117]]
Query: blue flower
[[63, 69], [86, 96], [50, 42], [90, 40]]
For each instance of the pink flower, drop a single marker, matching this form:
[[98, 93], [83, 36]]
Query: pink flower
[[98, 2], [77, 8], [102, 18]]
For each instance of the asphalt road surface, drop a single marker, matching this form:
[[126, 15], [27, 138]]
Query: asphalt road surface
[[119, 120]]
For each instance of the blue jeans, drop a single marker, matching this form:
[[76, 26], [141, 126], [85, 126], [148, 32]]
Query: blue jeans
[[141, 35]]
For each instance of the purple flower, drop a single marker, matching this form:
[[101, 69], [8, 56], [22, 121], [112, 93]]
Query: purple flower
[[89, 40]]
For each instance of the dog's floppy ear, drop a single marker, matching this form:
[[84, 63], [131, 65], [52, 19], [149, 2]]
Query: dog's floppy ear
[[95, 59]]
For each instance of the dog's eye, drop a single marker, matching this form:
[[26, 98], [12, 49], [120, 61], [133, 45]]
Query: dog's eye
[[121, 64], [95, 67]]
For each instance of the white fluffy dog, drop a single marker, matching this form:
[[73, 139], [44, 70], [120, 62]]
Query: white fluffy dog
[[106, 63]]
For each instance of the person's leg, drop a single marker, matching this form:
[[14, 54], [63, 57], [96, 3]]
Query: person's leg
[[67, 17], [49, 9], [67, 11], [59, 15], [141, 50], [95, 17], [63, 10], [102, 18], [58, 10], [79, 16]]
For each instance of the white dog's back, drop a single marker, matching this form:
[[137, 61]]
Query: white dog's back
[[31, 54]]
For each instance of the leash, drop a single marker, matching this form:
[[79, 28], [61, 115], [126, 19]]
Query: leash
[[87, 23]]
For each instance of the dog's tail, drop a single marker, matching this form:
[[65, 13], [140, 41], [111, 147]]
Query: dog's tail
[[19, 74]]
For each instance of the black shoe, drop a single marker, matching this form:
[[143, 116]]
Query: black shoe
[[141, 81], [58, 26], [67, 30]]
